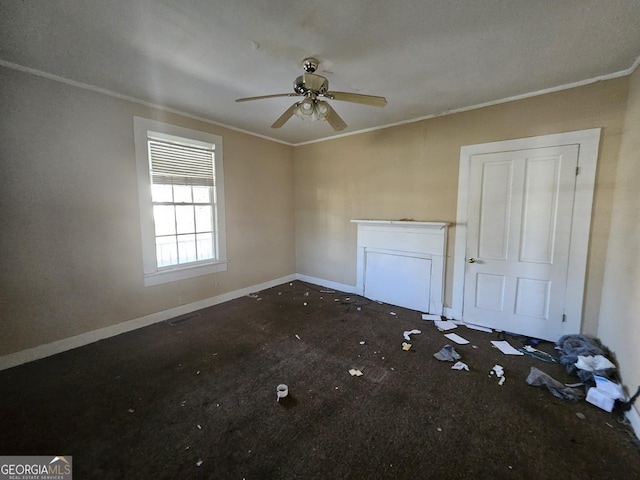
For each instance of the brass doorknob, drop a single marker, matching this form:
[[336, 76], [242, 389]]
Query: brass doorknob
[[472, 260]]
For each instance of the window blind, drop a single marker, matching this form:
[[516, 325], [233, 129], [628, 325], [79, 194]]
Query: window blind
[[179, 164]]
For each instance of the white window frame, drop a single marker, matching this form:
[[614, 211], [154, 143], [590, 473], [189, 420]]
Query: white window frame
[[143, 128]]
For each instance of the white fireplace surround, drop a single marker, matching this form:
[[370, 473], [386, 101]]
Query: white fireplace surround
[[402, 263]]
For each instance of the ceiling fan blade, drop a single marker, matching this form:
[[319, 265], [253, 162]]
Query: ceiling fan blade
[[334, 119], [247, 99], [371, 100], [285, 116]]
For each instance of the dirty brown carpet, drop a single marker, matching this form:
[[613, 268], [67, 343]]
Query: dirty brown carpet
[[196, 398]]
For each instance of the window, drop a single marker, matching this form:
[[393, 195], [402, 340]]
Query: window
[[181, 197]]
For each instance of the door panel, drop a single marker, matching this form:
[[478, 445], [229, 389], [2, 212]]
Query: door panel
[[520, 210], [495, 200], [540, 202], [532, 297]]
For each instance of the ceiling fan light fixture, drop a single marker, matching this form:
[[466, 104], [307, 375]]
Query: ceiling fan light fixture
[[322, 108], [311, 109], [306, 107]]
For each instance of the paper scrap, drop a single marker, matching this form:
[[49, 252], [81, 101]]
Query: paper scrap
[[445, 325], [199, 463], [406, 346], [355, 373], [430, 316], [392, 313], [505, 347], [410, 332], [499, 372], [600, 399], [478, 327], [454, 337], [609, 387], [362, 343], [594, 363], [460, 366]]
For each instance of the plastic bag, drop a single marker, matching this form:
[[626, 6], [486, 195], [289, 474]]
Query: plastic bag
[[538, 378]]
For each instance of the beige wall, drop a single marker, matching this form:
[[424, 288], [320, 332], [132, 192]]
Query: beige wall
[[620, 313], [70, 236], [411, 171], [70, 241]]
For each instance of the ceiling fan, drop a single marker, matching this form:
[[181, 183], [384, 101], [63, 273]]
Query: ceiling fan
[[315, 90]]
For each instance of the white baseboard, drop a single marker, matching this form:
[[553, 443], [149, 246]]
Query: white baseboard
[[634, 419], [53, 348], [343, 287]]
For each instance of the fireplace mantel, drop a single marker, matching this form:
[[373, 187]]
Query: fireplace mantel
[[403, 223], [402, 262]]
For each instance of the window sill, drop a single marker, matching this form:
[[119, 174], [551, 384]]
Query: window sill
[[182, 273]]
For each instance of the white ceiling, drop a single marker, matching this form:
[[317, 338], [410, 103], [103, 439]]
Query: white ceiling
[[427, 57]]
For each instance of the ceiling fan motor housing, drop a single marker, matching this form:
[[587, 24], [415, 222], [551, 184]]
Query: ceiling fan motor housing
[[310, 82]]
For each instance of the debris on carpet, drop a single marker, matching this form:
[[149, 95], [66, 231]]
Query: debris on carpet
[[410, 332], [498, 371], [538, 354], [454, 337], [281, 391], [445, 325], [505, 347], [447, 354], [460, 366], [538, 378]]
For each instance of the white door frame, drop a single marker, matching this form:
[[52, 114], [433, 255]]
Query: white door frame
[[588, 142]]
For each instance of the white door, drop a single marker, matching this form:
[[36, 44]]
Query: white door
[[518, 237]]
